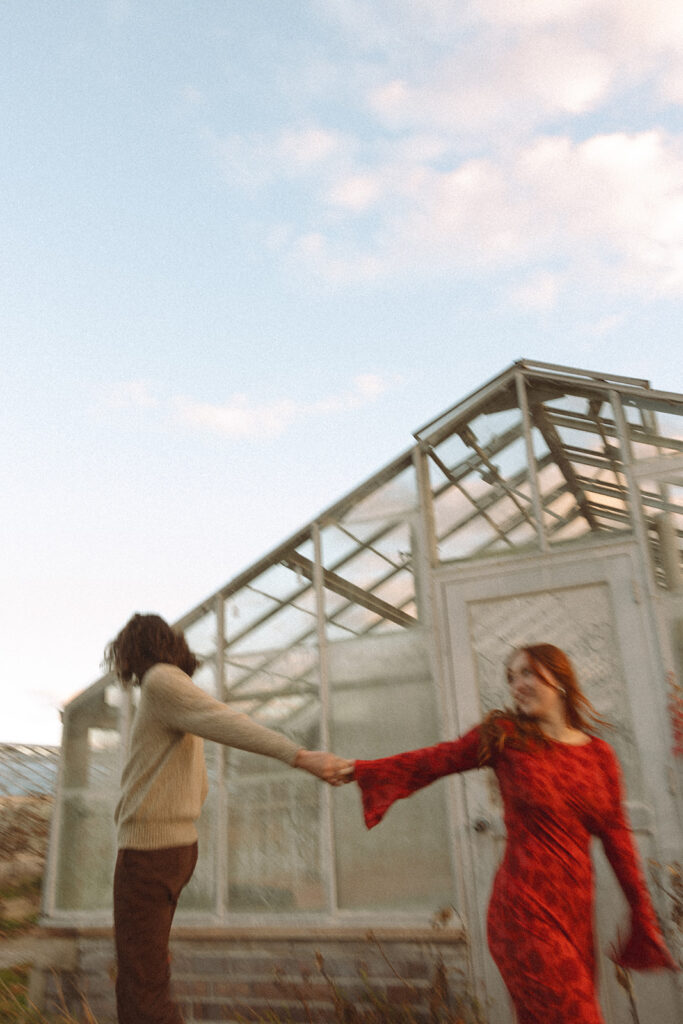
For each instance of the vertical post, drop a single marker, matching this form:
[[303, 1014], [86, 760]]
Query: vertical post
[[327, 831], [428, 532], [664, 523], [49, 898], [659, 640], [637, 517], [222, 846], [531, 462], [220, 646], [425, 558]]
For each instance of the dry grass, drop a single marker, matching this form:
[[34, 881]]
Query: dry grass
[[438, 1003], [16, 1008]]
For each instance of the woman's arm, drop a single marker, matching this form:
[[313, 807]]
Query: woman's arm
[[644, 947], [388, 779]]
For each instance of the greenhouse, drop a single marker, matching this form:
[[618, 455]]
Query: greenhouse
[[547, 505]]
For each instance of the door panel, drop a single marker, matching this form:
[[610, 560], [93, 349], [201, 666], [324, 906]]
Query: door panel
[[591, 609]]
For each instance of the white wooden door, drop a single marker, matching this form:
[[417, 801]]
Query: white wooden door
[[591, 606]]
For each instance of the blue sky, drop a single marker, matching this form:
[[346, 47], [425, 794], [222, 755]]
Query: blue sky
[[249, 247]]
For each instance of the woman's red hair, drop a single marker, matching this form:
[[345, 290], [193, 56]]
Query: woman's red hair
[[501, 727]]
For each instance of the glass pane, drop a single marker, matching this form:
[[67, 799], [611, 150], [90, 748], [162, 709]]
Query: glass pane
[[663, 509], [272, 837], [395, 498], [582, 484], [275, 610], [201, 638], [383, 702], [200, 893], [368, 563], [274, 819], [655, 428], [480, 483]]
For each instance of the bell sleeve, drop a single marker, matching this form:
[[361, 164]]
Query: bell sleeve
[[643, 948], [387, 779]]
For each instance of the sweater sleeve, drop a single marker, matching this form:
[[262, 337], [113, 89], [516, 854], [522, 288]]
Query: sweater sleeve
[[388, 779], [185, 708], [644, 947]]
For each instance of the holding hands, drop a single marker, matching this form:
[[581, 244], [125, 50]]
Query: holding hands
[[325, 766]]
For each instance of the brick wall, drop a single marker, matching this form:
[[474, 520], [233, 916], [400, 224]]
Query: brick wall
[[231, 976]]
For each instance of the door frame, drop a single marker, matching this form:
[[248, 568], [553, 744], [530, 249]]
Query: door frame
[[615, 563]]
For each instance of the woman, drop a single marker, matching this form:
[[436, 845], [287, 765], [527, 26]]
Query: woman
[[560, 785], [164, 785]]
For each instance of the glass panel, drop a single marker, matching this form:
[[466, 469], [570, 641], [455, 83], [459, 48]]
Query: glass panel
[[580, 434], [200, 893], [273, 817], [655, 428], [201, 638], [368, 562], [654, 425], [272, 838], [273, 832], [368, 578], [391, 499], [663, 509], [275, 610], [480, 484], [383, 702], [91, 755]]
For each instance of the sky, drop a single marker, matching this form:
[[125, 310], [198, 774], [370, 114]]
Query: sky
[[248, 247]]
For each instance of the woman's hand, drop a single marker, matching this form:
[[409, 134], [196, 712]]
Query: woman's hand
[[325, 766]]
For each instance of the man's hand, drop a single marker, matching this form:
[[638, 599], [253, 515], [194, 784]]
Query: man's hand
[[325, 766]]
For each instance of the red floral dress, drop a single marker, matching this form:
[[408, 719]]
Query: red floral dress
[[540, 917]]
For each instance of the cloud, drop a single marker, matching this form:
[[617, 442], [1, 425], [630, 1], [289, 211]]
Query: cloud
[[657, 25], [256, 159], [605, 326], [393, 26], [355, 192], [471, 152], [517, 87], [493, 63], [238, 417], [130, 394], [616, 197], [533, 13], [306, 149], [608, 209], [242, 418], [537, 293]]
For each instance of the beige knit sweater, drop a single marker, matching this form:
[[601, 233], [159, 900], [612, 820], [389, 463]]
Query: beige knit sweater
[[164, 783]]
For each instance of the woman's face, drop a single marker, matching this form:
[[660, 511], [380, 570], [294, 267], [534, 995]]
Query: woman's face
[[535, 695]]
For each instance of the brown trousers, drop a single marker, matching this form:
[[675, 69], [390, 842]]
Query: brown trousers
[[147, 884]]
